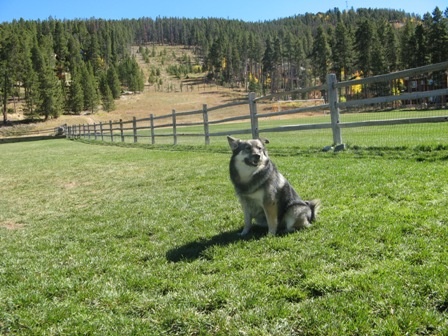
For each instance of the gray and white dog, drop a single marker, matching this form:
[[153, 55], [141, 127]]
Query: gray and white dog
[[265, 195]]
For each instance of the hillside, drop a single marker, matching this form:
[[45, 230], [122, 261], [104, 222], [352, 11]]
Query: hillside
[[73, 66], [182, 94]]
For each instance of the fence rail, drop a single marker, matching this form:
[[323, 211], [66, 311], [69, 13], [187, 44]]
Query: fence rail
[[169, 125]]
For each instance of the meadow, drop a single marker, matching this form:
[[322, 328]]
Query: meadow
[[101, 239]]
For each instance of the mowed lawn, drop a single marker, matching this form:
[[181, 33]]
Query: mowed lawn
[[109, 240]]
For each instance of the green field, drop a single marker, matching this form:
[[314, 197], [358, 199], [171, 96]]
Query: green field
[[123, 240]]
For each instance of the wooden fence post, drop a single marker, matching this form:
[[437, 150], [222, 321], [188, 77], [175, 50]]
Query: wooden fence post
[[121, 130], [94, 132], [206, 128], [334, 109], [111, 131], [134, 128], [101, 131], [153, 136], [174, 128], [253, 115]]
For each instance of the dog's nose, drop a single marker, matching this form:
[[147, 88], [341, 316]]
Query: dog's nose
[[256, 157]]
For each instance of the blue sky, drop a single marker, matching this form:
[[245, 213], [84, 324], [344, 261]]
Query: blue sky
[[252, 10]]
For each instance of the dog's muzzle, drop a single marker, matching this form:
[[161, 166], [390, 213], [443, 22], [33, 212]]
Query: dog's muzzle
[[253, 160]]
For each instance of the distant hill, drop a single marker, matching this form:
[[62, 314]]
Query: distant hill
[[69, 66]]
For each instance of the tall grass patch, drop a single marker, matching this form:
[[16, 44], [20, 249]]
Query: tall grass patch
[[106, 240]]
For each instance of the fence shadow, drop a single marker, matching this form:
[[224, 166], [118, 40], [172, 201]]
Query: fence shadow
[[31, 138], [194, 250]]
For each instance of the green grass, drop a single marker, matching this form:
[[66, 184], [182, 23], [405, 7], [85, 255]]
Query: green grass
[[123, 240]]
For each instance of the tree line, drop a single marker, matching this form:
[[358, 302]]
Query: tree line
[[66, 66], [70, 66]]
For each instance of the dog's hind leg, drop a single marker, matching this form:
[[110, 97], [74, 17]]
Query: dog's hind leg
[[297, 218], [300, 216]]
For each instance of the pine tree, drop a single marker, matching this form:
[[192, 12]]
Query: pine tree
[[235, 65], [9, 53], [268, 64], [277, 58], [391, 49], [216, 56], [76, 95], [114, 82], [438, 37], [321, 55], [301, 65], [28, 75], [419, 41], [89, 88], [378, 50], [342, 55], [131, 75], [50, 101], [379, 63], [51, 95], [108, 100], [363, 42], [407, 45], [93, 53], [60, 45], [74, 56]]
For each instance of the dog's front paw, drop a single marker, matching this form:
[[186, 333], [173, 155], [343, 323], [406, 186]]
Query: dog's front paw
[[243, 233]]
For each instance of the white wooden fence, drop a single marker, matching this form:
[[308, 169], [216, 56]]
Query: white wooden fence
[[118, 131]]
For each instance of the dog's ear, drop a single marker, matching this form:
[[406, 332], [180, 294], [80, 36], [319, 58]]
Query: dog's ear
[[233, 142], [264, 140]]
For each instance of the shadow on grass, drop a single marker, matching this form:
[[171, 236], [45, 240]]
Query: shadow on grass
[[194, 250]]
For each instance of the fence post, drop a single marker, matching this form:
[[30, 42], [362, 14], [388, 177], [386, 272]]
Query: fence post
[[134, 128], [253, 115], [121, 130], [174, 127], [101, 131], [206, 128], [153, 136], [94, 132], [334, 109], [111, 131]]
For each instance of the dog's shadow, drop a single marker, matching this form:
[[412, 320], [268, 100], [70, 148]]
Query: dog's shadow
[[195, 250]]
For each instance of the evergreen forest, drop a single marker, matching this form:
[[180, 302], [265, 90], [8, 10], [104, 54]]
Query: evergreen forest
[[67, 66]]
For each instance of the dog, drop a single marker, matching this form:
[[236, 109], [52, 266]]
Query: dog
[[264, 193]]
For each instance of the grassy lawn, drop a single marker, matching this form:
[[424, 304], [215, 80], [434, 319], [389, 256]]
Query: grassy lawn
[[108, 240]]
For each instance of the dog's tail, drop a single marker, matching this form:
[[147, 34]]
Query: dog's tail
[[314, 206]]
